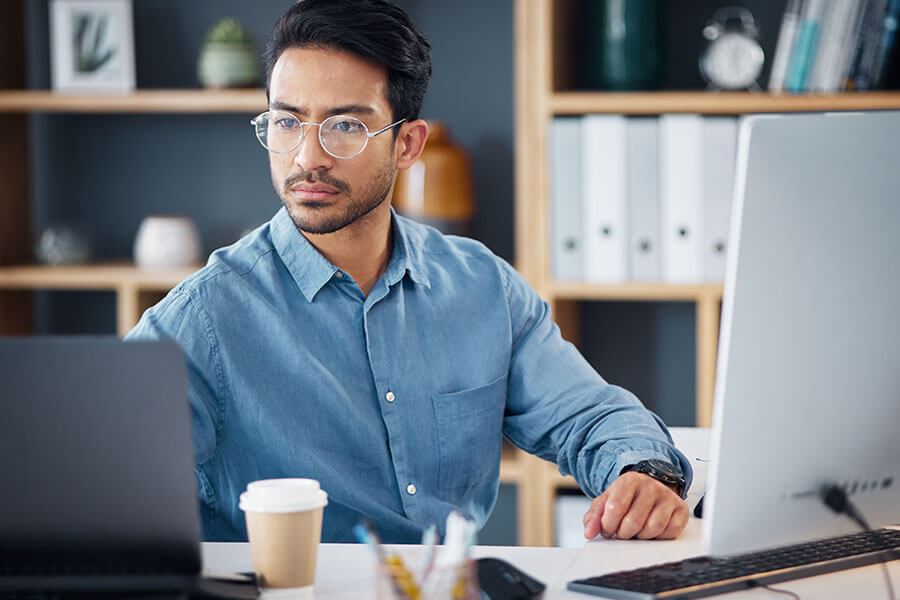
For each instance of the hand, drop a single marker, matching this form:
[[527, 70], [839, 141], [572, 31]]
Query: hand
[[636, 505]]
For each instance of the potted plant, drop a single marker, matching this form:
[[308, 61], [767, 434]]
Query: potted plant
[[228, 58]]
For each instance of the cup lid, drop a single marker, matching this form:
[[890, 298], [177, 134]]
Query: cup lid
[[283, 495]]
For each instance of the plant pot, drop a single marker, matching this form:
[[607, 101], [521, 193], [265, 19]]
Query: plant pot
[[228, 66]]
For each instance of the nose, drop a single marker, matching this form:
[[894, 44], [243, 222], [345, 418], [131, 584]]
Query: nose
[[310, 156]]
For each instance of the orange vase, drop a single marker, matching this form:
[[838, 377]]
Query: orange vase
[[437, 188]]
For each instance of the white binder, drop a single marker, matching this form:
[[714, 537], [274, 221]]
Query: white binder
[[566, 199], [643, 199], [681, 197], [719, 151], [604, 176]]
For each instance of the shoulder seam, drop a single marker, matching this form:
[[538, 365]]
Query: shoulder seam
[[224, 271]]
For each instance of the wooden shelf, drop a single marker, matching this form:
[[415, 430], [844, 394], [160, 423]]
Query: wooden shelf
[[136, 289], [140, 101], [716, 103], [110, 276], [657, 292], [512, 468]]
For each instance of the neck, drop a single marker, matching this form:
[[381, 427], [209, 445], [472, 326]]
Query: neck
[[362, 249]]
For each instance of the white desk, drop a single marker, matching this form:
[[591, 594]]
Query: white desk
[[346, 571]]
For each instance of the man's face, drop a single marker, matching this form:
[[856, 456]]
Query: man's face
[[324, 194]]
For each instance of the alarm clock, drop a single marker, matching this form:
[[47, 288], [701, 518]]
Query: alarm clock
[[733, 57]]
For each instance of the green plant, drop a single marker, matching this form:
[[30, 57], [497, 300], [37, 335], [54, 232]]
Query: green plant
[[227, 31], [91, 53]]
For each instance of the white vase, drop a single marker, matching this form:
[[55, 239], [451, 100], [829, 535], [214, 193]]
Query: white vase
[[167, 241]]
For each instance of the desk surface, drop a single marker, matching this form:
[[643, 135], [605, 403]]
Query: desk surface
[[345, 571]]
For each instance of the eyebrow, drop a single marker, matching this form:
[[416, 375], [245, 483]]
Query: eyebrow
[[351, 109]]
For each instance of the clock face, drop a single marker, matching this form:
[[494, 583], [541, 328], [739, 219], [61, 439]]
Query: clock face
[[732, 61]]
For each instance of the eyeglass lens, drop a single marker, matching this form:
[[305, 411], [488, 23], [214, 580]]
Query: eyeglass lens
[[341, 136]]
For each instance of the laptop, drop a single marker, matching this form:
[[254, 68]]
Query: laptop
[[96, 460], [807, 403]]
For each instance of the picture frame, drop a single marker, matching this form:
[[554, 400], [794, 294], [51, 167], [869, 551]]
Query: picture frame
[[92, 46]]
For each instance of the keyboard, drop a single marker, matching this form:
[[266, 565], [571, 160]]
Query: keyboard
[[703, 576]]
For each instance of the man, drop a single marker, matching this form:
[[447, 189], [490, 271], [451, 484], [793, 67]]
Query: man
[[344, 343]]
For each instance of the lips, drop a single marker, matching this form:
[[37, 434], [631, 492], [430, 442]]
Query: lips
[[314, 192]]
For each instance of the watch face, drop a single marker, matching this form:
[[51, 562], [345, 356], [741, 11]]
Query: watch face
[[665, 467], [733, 61]]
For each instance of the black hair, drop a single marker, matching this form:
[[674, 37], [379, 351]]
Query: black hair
[[375, 30]]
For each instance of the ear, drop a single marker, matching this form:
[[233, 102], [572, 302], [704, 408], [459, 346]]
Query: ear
[[410, 143]]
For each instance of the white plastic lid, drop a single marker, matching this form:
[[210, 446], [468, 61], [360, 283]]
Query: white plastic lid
[[283, 496]]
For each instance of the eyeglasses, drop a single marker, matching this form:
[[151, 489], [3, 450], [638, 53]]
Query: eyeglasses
[[341, 136]]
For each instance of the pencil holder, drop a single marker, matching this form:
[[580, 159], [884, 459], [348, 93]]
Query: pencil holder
[[396, 580]]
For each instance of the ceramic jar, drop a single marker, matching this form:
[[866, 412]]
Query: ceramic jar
[[167, 241]]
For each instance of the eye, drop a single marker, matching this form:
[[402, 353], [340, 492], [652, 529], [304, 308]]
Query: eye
[[347, 126], [286, 123]]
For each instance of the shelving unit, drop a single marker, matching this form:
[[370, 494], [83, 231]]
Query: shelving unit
[[136, 289], [140, 101], [544, 89]]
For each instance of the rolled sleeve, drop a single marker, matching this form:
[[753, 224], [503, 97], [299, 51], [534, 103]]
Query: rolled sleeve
[[561, 409]]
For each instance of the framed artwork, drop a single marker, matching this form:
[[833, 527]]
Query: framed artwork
[[92, 46]]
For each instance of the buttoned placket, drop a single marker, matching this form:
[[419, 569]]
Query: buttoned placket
[[389, 388]]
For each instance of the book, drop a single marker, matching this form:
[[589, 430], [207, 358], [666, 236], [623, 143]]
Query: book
[[681, 197], [719, 156], [888, 37], [643, 199], [566, 199], [867, 45], [837, 25], [787, 34], [803, 53], [605, 203]]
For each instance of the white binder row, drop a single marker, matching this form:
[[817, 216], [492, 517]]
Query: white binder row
[[641, 199]]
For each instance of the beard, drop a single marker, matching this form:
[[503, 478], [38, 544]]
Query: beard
[[314, 218]]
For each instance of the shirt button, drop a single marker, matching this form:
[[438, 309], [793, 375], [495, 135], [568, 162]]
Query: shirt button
[[411, 489], [339, 275], [390, 398]]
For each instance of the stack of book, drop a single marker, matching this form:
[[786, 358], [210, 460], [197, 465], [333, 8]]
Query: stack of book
[[834, 45], [641, 199]]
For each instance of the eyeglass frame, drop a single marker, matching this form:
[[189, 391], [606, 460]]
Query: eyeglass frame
[[302, 135]]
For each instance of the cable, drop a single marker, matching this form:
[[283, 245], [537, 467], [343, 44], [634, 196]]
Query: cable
[[837, 500], [753, 583]]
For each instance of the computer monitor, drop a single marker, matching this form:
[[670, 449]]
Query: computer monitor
[[98, 490], [808, 385]]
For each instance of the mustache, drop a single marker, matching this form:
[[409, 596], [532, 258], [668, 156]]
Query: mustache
[[315, 177]]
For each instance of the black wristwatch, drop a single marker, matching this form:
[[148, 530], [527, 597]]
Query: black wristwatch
[[662, 471]]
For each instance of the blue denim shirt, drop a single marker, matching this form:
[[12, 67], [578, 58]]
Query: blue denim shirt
[[398, 402]]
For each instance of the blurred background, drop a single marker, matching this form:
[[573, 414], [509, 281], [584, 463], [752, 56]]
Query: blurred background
[[99, 173]]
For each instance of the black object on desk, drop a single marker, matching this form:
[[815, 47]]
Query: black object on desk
[[499, 580]]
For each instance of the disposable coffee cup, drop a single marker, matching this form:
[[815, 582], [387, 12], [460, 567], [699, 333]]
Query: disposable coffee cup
[[284, 524]]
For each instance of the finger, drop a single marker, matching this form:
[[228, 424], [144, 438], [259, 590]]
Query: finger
[[618, 502], [637, 515], [592, 517], [677, 523], [594, 508], [658, 520]]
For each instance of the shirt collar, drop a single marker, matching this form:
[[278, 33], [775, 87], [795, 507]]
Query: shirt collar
[[311, 271], [406, 256]]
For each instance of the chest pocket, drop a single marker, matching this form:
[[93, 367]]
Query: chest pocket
[[470, 437]]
